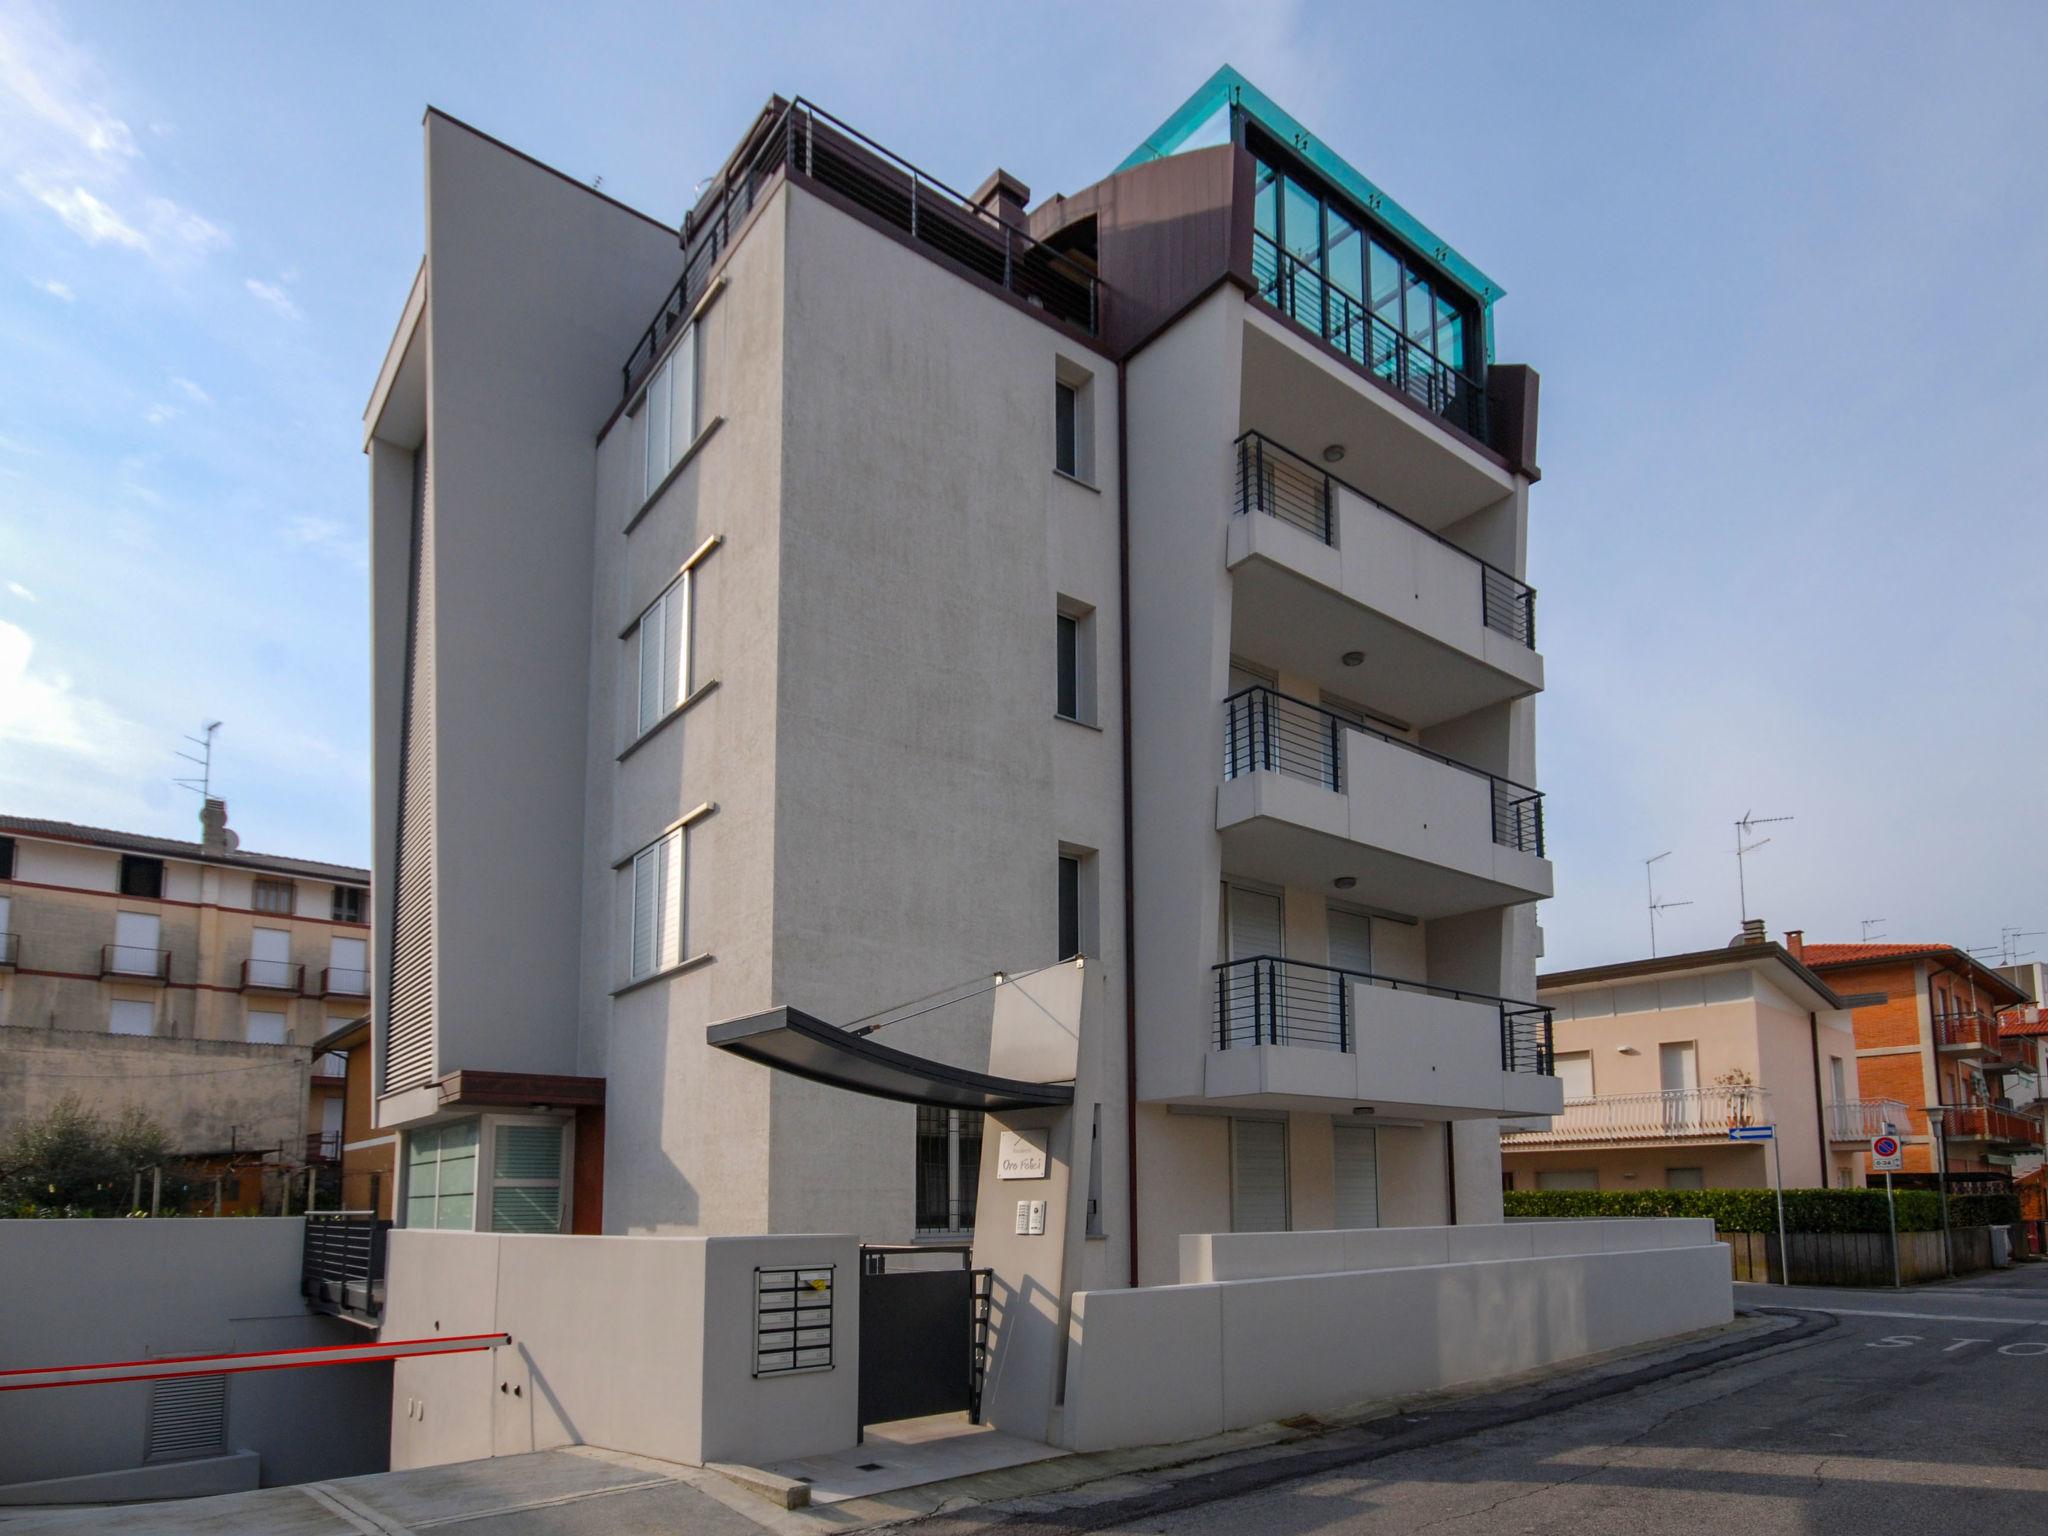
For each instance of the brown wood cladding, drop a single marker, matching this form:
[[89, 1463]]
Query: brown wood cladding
[[521, 1089], [586, 1198]]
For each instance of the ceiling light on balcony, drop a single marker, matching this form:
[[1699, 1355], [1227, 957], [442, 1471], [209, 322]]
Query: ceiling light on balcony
[[1345, 882], [1334, 454], [1353, 658]]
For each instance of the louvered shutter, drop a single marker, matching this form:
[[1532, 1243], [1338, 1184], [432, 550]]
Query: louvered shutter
[[188, 1416], [682, 371], [1258, 1182], [655, 413], [409, 1015], [1356, 1150], [675, 643], [671, 899], [646, 889], [652, 621], [526, 1178]]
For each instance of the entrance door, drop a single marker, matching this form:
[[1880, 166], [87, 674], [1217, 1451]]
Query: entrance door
[[1251, 992], [920, 1330], [1357, 1169], [1678, 1074]]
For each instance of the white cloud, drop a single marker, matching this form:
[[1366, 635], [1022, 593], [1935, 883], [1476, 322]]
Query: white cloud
[[21, 592], [50, 728], [273, 296], [191, 391], [56, 289], [85, 215], [160, 413], [327, 537]]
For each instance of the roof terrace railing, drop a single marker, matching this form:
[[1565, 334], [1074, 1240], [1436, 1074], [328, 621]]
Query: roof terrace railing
[[1281, 483], [807, 141], [1265, 730], [1310, 300], [1675, 1114]]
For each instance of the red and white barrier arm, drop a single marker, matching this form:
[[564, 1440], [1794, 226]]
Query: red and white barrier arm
[[167, 1367]]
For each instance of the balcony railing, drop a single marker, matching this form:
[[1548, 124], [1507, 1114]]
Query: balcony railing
[[323, 1146], [1992, 1122], [1679, 1114], [1310, 300], [1268, 731], [273, 976], [342, 1264], [1273, 480], [10, 949], [1861, 1119], [133, 961], [1965, 1029], [343, 981], [811, 142], [330, 1064], [1268, 1000]]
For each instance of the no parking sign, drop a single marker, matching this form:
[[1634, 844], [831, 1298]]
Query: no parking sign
[[1885, 1155]]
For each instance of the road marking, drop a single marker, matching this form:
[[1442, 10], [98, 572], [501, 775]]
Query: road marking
[[1925, 1317]]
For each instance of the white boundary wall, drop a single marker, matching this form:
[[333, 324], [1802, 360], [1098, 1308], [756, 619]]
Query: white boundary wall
[[1176, 1362], [638, 1344]]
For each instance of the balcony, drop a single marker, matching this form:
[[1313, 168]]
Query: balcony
[[342, 981], [1995, 1123], [342, 1265], [130, 962], [1966, 1031], [1859, 1120], [1309, 798], [817, 150], [272, 976], [323, 1146], [1644, 1119], [10, 951], [331, 1064], [1321, 570], [1293, 1032]]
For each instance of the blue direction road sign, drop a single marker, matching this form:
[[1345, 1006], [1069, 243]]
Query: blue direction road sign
[[1749, 1133]]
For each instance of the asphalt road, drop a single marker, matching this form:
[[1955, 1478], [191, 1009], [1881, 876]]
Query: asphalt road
[[1888, 1412]]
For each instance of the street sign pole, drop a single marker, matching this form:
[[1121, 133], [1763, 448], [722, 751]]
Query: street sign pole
[[1784, 1251], [1885, 1156], [1891, 1211]]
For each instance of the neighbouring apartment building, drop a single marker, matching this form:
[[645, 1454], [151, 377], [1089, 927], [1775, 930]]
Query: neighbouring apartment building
[[865, 589], [190, 979], [1930, 1036], [1662, 1058]]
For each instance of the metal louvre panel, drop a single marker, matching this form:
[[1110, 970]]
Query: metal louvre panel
[[1258, 1176], [409, 1033], [1357, 1157], [675, 630], [652, 706], [188, 1416]]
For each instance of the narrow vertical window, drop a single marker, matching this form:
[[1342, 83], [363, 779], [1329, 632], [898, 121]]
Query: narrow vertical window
[[1066, 428], [1069, 907], [664, 654], [657, 928], [526, 1178], [670, 411], [656, 412], [1068, 706]]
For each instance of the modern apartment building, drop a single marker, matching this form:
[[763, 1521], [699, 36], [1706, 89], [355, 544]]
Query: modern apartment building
[[1662, 1058], [1930, 1036], [867, 588], [190, 979]]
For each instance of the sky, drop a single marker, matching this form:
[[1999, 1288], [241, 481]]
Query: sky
[[1779, 267]]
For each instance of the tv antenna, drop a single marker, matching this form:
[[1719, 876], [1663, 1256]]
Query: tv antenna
[[1870, 923], [2009, 951], [1656, 906], [201, 783], [1745, 830]]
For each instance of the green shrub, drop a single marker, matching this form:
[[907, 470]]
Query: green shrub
[[69, 1161], [1756, 1210]]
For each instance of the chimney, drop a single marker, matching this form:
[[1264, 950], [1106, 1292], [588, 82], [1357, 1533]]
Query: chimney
[[214, 835], [1795, 941], [1752, 933], [1004, 197]]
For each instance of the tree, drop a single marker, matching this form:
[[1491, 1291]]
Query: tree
[[71, 1161]]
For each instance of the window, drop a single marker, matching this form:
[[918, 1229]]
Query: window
[[1074, 662], [270, 895], [1095, 1227], [657, 932], [1685, 1178], [125, 1018], [270, 958], [663, 641], [6, 858], [1075, 931], [1070, 907], [948, 1169], [1258, 1175], [141, 877], [348, 903], [1355, 1152], [1568, 1178], [264, 1028], [440, 1176], [526, 1176], [1575, 1070], [1073, 422], [138, 938], [670, 411], [348, 966]]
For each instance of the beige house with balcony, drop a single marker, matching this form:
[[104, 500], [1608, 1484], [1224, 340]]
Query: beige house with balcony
[[1661, 1058], [188, 978]]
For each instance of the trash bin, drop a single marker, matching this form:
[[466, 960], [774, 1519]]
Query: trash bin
[[2001, 1247]]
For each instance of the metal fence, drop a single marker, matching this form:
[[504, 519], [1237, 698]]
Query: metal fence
[[1677, 1114], [342, 1263]]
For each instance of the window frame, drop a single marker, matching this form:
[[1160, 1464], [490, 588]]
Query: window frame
[[1073, 439], [962, 1169], [274, 887], [673, 652], [407, 1164], [673, 886], [489, 1181], [1074, 664], [348, 904], [658, 411], [138, 865]]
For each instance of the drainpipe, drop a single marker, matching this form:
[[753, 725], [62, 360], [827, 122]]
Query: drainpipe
[[1123, 566], [1820, 1114], [1451, 1171]]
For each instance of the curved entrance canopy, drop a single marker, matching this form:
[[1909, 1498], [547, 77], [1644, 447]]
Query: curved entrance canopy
[[792, 1041]]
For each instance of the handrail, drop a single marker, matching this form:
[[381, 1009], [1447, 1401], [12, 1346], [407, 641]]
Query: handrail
[[330, 987], [10, 948], [276, 976], [1252, 479], [110, 966], [1652, 1116], [793, 142], [1517, 808]]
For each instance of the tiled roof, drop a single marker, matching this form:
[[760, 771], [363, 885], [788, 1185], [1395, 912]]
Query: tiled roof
[[1833, 957], [2018, 1023], [174, 848], [1849, 954]]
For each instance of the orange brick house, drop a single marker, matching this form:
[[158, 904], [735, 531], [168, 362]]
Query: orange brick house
[[1934, 1039]]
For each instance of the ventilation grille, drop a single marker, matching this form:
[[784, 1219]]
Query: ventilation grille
[[188, 1416], [409, 1029]]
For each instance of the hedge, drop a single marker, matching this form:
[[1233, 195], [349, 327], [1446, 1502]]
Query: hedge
[[1756, 1210]]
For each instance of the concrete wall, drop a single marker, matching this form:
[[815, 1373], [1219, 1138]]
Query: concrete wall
[[84, 1291], [1177, 1362], [637, 1344]]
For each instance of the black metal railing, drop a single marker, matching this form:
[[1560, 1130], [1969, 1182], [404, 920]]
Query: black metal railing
[[273, 976], [342, 1263], [344, 981], [10, 949], [1269, 1000], [323, 1146], [1267, 731], [810, 142], [1283, 484], [1342, 319], [134, 960]]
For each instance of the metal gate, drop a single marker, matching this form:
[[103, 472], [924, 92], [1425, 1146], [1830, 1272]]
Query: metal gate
[[923, 1335]]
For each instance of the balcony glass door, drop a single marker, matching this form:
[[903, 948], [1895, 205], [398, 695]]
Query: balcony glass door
[[1678, 1075], [1350, 950], [270, 953], [1356, 1153], [1258, 1175], [1254, 930]]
